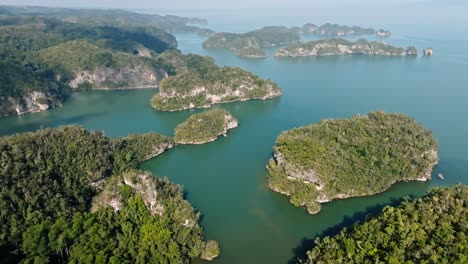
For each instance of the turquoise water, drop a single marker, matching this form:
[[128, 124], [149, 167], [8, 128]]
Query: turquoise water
[[226, 179]]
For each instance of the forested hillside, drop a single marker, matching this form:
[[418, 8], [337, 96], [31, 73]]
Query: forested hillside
[[431, 229], [52, 178]]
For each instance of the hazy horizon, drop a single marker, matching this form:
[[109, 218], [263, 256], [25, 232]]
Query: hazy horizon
[[240, 4]]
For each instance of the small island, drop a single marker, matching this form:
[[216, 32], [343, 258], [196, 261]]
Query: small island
[[381, 33], [428, 52], [205, 127], [407, 233], [199, 83], [341, 158], [249, 44], [332, 47]]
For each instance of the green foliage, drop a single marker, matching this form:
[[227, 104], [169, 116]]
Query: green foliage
[[198, 80], [253, 40], [35, 33], [342, 30], [203, 127], [340, 46], [19, 80], [49, 179], [40, 54], [432, 229], [359, 156], [113, 17]]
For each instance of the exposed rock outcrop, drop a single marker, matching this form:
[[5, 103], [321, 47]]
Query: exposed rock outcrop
[[32, 102], [111, 78], [428, 52]]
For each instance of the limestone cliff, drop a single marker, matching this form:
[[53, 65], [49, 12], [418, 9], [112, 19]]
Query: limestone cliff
[[112, 78], [31, 102]]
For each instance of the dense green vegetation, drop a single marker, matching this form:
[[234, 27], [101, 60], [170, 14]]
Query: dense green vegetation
[[49, 180], [431, 229], [18, 80], [200, 83], [41, 55], [340, 158], [336, 30], [204, 127], [112, 17], [264, 37], [340, 46]]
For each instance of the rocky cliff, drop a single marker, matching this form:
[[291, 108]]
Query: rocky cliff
[[31, 102], [112, 78]]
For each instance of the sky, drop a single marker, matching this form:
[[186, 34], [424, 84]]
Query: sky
[[219, 4]]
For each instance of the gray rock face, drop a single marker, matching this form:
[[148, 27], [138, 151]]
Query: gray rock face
[[428, 52], [111, 78], [30, 103]]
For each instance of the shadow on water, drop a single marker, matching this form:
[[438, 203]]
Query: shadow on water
[[306, 244], [29, 125]]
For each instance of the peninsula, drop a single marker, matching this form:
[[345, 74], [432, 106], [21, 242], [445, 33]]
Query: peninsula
[[341, 158], [331, 47], [78, 196], [205, 127], [199, 83]]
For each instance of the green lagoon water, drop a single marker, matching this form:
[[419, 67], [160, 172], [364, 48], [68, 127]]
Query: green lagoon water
[[226, 179]]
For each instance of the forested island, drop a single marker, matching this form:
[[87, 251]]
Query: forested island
[[205, 127], [431, 229], [331, 47], [69, 195], [249, 44], [329, 29], [200, 83], [341, 158]]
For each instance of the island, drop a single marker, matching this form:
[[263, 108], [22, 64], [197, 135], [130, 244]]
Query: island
[[205, 127], [329, 29], [428, 52], [383, 33], [332, 47], [408, 233], [200, 83], [76, 196], [341, 158], [248, 44]]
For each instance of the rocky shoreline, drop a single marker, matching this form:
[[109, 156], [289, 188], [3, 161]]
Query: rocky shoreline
[[331, 47]]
